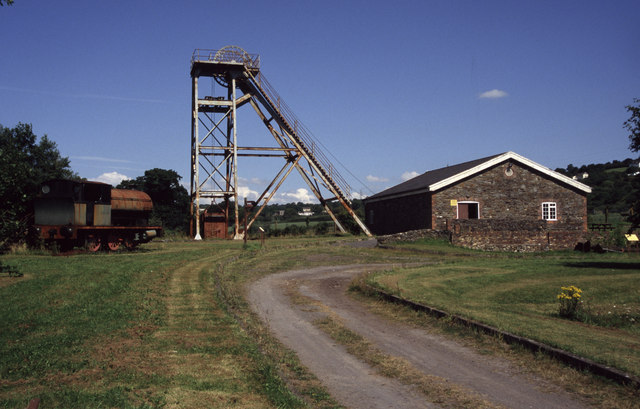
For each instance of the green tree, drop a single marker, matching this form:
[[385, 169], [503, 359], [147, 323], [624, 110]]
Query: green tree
[[633, 125], [25, 163], [170, 198], [634, 211]]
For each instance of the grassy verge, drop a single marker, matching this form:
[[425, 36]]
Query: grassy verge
[[129, 330], [433, 247], [518, 294]]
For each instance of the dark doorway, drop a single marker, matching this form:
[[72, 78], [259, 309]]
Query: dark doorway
[[468, 210]]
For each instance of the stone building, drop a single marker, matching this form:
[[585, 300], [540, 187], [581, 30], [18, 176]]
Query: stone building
[[502, 202]]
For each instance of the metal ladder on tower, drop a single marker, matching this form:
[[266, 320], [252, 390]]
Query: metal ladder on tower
[[258, 86]]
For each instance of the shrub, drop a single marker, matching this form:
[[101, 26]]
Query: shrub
[[294, 230], [569, 299], [321, 228]]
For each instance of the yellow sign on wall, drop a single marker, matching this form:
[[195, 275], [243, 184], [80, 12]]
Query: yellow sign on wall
[[454, 202]]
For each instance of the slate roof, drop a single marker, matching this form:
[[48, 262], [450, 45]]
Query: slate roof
[[439, 178]]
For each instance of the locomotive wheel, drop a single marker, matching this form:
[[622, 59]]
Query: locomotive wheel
[[93, 243], [114, 242], [130, 244]]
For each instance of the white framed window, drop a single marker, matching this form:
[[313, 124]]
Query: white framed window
[[549, 211]]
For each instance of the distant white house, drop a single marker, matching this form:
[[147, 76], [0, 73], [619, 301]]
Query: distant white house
[[584, 175], [306, 211]]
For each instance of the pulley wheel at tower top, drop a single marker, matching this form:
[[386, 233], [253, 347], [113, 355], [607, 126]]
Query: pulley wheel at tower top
[[232, 54]]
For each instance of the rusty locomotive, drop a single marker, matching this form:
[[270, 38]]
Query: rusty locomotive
[[92, 214]]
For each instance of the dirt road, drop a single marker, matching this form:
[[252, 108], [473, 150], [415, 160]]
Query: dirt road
[[356, 385]]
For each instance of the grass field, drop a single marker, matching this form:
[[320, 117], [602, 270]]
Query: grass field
[[518, 294], [128, 330], [284, 225], [168, 326]]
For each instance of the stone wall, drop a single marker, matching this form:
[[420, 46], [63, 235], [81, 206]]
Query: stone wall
[[512, 235]]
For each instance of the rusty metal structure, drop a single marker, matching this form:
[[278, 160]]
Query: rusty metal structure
[[92, 214], [215, 148]]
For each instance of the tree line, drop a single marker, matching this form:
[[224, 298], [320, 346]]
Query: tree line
[[615, 185], [25, 162]]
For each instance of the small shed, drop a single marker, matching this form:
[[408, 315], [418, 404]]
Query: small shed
[[214, 224], [501, 202]]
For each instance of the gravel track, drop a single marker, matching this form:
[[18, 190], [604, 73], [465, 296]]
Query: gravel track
[[355, 384]]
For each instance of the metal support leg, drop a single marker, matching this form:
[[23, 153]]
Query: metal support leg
[[196, 160]]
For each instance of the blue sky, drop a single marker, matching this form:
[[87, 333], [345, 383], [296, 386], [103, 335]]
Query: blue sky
[[391, 89]]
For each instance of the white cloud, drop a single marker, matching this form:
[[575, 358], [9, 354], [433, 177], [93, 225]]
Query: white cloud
[[112, 178], [493, 94], [300, 195], [244, 191], [357, 195], [409, 175], [376, 179]]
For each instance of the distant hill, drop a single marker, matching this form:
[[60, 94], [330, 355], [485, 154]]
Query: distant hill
[[616, 185]]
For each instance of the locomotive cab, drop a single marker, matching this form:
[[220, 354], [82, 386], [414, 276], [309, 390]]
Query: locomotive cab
[[67, 202], [76, 213]]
